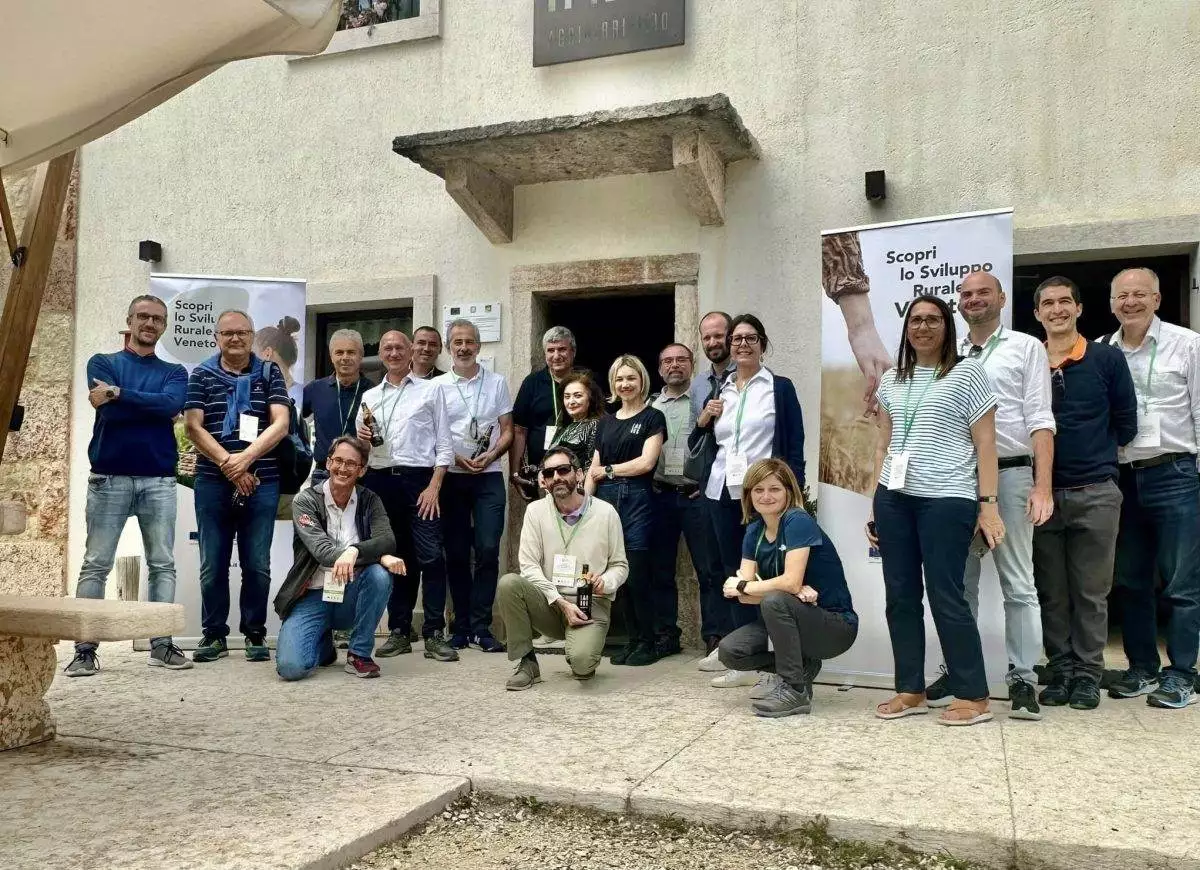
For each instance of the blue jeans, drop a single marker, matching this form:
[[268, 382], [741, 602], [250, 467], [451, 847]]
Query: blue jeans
[[111, 500], [632, 499], [473, 521], [1160, 536], [299, 647], [728, 531], [675, 513], [218, 523], [934, 534]]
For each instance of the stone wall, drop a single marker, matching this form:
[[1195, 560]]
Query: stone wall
[[33, 473]]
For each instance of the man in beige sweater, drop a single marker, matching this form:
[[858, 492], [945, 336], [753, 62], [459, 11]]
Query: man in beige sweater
[[567, 540]]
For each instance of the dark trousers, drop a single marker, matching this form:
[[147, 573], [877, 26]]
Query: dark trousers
[[420, 544], [1160, 536], [798, 631], [934, 534], [1073, 569], [632, 499], [472, 523], [725, 520], [675, 513]]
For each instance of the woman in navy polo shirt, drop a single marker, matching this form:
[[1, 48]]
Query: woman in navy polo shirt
[[791, 570]]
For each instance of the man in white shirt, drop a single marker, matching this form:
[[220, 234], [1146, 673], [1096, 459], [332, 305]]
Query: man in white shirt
[[480, 414], [411, 450], [1160, 514], [1019, 374]]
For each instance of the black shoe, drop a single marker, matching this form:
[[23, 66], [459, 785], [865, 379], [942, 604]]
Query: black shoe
[[784, 700], [396, 644], [438, 649], [1085, 693], [622, 655], [643, 654], [711, 643], [328, 650], [937, 693], [210, 649], [256, 649], [667, 646], [341, 639], [1057, 692], [1132, 683], [1022, 700]]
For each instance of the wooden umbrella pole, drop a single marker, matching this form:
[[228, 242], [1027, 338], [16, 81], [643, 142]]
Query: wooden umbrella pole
[[10, 234], [28, 281]]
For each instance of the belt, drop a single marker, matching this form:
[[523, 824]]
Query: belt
[[1015, 462], [680, 488], [395, 470], [1161, 459]]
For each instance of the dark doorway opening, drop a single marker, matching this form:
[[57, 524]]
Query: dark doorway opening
[[371, 324], [1094, 278]]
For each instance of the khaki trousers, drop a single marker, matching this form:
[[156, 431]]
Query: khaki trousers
[[525, 612]]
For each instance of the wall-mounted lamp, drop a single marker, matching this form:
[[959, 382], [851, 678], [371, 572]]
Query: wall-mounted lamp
[[150, 252], [876, 185]]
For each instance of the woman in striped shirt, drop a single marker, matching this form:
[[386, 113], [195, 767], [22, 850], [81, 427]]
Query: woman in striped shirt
[[936, 431]]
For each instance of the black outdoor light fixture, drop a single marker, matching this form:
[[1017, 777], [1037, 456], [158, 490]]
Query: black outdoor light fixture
[[18, 418], [876, 185], [150, 252]]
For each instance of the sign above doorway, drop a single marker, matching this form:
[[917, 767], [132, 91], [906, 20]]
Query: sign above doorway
[[570, 30]]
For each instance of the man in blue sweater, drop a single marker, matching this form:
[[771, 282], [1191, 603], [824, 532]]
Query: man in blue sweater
[[333, 402], [1095, 410], [133, 454]]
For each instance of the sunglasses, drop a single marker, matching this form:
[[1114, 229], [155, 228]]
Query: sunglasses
[[1058, 384], [561, 470]]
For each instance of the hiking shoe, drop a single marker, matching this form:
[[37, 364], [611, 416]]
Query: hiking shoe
[[460, 641], [764, 687], [360, 666], [1132, 683], [328, 650], [85, 664], [168, 656], [734, 679], [1057, 693], [526, 674], [1175, 692], [643, 654], [396, 644], [622, 655], [711, 663], [341, 639], [1022, 700], [937, 693], [812, 667], [1085, 693], [667, 646], [438, 649], [487, 643], [257, 650], [784, 700], [210, 649]]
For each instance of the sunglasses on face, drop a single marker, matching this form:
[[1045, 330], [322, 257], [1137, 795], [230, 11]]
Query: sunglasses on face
[[561, 470]]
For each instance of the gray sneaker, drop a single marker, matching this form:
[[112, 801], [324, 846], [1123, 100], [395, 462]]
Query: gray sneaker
[[85, 664], [526, 674], [764, 687], [169, 656], [396, 644], [783, 701]]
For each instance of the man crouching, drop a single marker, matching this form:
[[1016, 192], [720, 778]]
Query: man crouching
[[567, 541], [341, 577]]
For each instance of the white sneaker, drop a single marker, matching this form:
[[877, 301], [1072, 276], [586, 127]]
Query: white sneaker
[[711, 663], [734, 679], [763, 688]]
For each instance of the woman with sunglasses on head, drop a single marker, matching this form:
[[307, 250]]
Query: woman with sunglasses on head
[[936, 464], [583, 406], [756, 416], [628, 443]]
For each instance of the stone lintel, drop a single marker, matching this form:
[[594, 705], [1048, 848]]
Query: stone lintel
[[623, 272], [486, 198], [701, 174]]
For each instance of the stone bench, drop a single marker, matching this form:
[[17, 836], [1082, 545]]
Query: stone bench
[[29, 628]]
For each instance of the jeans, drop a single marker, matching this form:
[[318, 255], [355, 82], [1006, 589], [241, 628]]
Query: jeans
[[1160, 536], [111, 500], [473, 520], [1073, 563], [798, 631], [524, 610], [420, 544], [299, 647], [1014, 564], [632, 497], [674, 513], [728, 531], [934, 534], [253, 524]]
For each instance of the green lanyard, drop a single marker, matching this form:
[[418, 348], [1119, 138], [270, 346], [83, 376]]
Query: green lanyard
[[1150, 378], [387, 427], [910, 410], [991, 346], [567, 539], [554, 399], [737, 423], [775, 558], [346, 414], [478, 392]]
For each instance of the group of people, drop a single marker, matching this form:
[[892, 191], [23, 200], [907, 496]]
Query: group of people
[[1037, 453]]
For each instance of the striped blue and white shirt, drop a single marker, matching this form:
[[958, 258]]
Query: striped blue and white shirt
[[942, 459]]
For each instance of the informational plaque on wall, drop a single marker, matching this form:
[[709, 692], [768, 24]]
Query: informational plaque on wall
[[567, 30], [484, 315]]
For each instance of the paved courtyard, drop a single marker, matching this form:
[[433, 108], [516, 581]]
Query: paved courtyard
[[226, 766]]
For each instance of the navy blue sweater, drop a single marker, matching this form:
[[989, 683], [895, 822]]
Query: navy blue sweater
[[1095, 410], [334, 411], [133, 435]]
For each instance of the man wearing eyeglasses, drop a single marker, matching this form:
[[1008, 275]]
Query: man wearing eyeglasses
[[567, 541], [133, 454], [480, 413], [1160, 517], [1095, 410]]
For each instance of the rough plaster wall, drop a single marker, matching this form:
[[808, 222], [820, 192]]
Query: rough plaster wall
[[1071, 111]]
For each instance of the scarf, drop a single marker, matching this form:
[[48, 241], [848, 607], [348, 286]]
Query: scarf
[[237, 390]]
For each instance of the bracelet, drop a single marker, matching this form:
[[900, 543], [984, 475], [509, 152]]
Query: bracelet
[[988, 499]]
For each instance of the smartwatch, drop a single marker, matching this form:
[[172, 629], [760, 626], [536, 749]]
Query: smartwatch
[[741, 587], [608, 471]]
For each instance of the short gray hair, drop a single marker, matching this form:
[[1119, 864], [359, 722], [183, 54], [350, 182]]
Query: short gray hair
[[347, 334], [558, 333], [461, 323], [239, 311], [1153, 277]]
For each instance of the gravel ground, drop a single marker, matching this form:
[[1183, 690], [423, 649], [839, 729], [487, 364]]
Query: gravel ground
[[487, 833]]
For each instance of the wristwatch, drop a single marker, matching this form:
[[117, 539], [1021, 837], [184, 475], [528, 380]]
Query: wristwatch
[[608, 471], [988, 499], [741, 587]]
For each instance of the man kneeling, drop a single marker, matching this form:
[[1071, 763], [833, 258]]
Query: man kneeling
[[341, 578], [567, 541]]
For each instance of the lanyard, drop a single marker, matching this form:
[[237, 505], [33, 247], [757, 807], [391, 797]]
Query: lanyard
[[910, 416], [567, 539], [387, 427], [1150, 376], [346, 414], [775, 556], [553, 399], [991, 346], [737, 423], [478, 392]]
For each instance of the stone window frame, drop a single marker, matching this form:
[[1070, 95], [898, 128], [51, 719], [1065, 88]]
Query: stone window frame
[[426, 25]]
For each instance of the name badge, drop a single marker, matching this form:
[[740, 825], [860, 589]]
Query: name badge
[[1149, 433], [334, 591], [735, 469], [899, 470], [673, 461], [565, 573], [551, 431], [247, 427]]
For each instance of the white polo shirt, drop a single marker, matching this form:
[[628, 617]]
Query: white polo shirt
[[483, 398], [1019, 373]]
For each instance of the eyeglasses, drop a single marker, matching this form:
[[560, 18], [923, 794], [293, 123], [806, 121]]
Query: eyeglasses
[[1136, 296], [234, 333], [672, 360], [338, 462], [561, 470], [752, 340], [143, 317], [930, 322]]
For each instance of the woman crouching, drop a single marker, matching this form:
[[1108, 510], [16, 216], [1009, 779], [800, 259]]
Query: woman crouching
[[791, 570]]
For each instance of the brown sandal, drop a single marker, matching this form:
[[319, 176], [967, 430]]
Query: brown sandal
[[962, 712], [898, 706]]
